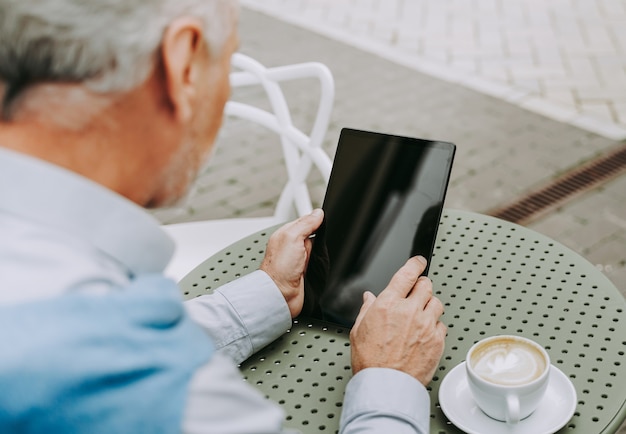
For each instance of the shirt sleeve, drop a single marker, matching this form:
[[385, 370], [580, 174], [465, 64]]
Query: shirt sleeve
[[376, 400], [381, 400], [242, 316]]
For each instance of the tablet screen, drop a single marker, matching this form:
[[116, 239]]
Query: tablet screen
[[383, 204]]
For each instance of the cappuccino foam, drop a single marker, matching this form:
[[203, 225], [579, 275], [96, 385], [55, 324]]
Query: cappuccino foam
[[508, 362]]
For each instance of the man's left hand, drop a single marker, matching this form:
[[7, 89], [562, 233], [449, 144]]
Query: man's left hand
[[287, 256]]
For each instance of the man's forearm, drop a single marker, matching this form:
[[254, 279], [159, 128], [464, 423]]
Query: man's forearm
[[242, 316]]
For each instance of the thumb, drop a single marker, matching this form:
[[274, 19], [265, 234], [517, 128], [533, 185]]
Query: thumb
[[307, 224], [368, 300]]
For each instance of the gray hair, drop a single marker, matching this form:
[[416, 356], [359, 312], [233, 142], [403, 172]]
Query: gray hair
[[109, 45]]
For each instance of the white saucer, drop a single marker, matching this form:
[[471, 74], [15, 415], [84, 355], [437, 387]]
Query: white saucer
[[555, 410]]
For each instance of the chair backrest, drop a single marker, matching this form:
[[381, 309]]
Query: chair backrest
[[301, 151]]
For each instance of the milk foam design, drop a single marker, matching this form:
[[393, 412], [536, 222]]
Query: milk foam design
[[508, 364]]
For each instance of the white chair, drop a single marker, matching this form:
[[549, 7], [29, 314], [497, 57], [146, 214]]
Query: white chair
[[196, 241]]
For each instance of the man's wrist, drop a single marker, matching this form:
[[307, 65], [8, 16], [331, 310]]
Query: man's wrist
[[262, 310]]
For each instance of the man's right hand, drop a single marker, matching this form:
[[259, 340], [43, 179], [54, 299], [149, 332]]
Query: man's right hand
[[400, 329]]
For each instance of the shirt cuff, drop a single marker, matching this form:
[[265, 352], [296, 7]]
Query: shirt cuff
[[242, 316], [261, 307], [385, 398]]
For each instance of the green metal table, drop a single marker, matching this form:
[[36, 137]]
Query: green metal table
[[493, 277]]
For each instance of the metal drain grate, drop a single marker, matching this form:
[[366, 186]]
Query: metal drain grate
[[573, 183]]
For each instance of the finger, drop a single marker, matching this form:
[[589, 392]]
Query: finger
[[304, 226], [405, 278], [422, 292], [442, 329], [308, 246], [368, 300], [434, 307]]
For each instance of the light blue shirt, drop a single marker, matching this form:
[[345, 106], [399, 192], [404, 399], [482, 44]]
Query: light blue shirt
[[63, 234], [99, 363]]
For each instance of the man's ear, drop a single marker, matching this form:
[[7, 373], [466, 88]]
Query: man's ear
[[182, 53]]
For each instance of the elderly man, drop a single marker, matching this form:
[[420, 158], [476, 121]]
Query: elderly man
[[108, 107]]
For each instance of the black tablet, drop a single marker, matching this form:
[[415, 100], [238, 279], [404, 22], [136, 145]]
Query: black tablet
[[382, 205]]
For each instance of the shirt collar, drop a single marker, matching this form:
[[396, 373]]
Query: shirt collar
[[55, 197]]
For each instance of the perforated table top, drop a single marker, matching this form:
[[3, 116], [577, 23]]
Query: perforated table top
[[493, 277]]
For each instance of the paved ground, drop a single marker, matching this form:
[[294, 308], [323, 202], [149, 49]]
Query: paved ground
[[504, 150], [563, 58]]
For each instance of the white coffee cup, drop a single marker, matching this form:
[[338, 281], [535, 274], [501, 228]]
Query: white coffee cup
[[507, 375]]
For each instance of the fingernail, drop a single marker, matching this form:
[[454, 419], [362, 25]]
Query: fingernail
[[422, 260], [317, 212]]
